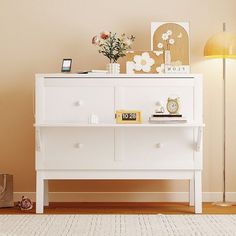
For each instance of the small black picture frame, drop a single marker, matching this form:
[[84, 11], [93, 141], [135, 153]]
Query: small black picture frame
[[66, 65]]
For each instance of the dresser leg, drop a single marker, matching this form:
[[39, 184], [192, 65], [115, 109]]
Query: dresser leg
[[191, 192], [39, 193], [198, 191], [46, 202]]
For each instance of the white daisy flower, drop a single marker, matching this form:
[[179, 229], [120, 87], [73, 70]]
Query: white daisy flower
[[165, 36], [143, 62], [158, 53], [169, 32], [160, 45], [171, 41]]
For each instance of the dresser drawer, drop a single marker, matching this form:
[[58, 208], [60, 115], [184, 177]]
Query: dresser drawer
[[76, 104], [154, 148], [77, 148]]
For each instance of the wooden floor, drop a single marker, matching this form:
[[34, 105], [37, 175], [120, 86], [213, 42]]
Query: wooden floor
[[123, 208]]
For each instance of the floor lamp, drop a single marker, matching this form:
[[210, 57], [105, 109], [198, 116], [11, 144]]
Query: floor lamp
[[222, 45]]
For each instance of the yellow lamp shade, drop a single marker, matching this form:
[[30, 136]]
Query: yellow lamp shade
[[221, 45]]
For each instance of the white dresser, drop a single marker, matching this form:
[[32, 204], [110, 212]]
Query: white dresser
[[68, 147]]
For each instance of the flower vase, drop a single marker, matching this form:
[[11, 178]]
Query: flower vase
[[167, 57], [113, 68]]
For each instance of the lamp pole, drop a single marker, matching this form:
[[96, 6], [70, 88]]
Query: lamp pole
[[224, 122], [224, 203], [222, 45]]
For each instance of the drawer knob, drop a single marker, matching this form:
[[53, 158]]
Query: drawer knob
[[159, 145], [79, 103], [78, 145]]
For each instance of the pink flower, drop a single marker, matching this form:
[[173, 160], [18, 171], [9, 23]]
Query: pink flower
[[104, 34], [95, 40]]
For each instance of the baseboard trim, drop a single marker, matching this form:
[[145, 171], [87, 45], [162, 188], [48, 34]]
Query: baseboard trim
[[126, 196]]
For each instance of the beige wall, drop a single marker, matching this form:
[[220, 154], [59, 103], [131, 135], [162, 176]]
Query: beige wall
[[36, 35]]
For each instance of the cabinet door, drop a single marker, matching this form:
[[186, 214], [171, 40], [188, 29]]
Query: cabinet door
[[76, 148], [76, 104]]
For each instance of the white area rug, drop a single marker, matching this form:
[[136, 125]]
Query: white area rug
[[116, 225]]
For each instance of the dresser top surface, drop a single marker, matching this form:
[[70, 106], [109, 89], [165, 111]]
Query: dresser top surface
[[151, 76]]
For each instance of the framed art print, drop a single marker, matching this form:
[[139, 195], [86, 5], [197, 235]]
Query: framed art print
[[171, 39], [144, 62]]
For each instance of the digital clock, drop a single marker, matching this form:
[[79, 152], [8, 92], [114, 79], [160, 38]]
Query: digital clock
[[128, 117]]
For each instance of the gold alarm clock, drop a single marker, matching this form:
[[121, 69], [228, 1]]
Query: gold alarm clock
[[172, 105]]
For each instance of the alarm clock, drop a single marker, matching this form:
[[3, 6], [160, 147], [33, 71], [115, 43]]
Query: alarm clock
[[172, 105], [128, 117]]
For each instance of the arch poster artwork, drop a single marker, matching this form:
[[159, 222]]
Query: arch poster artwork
[[169, 50]]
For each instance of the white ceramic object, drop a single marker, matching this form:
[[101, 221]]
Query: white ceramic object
[[159, 107], [93, 119], [113, 68]]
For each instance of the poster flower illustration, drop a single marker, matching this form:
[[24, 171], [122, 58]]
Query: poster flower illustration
[[167, 41], [143, 62]]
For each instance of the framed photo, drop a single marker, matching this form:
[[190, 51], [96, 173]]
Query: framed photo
[[171, 39], [66, 65]]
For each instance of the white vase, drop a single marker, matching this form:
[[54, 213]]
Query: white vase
[[167, 57], [113, 68]]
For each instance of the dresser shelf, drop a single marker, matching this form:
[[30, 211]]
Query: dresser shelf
[[146, 125]]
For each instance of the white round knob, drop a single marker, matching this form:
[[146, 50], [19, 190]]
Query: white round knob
[[159, 145], [78, 103], [79, 145]]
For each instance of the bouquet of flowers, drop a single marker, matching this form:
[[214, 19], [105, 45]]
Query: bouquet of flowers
[[112, 46]]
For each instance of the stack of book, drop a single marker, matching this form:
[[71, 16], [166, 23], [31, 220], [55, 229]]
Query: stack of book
[[93, 72], [167, 118]]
